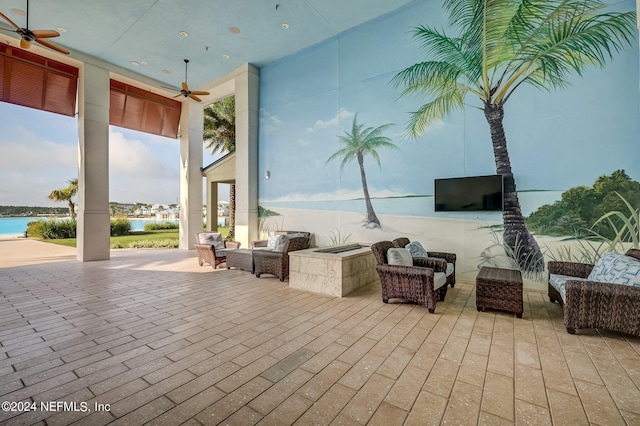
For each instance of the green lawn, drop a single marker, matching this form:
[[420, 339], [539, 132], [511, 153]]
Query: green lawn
[[147, 239]]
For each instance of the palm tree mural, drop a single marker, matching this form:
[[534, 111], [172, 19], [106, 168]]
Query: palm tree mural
[[357, 144], [502, 45], [220, 136], [66, 194]]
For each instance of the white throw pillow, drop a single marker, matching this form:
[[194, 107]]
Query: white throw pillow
[[213, 238], [605, 270], [416, 249], [277, 242], [399, 256]]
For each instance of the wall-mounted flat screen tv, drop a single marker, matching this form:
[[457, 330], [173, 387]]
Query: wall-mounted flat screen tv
[[473, 193]]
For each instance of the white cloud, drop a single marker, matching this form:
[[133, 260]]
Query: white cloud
[[332, 122], [269, 122]]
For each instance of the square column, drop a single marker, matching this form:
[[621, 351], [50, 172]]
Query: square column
[[93, 164], [212, 206], [191, 129], [247, 86]]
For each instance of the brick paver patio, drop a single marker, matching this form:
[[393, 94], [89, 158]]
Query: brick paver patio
[[151, 337]]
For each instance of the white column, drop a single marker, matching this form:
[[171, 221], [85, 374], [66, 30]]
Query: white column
[[93, 164], [191, 128], [247, 86]]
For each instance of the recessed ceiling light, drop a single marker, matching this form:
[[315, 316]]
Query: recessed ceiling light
[[285, 26], [166, 72], [61, 30], [144, 63], [234, 30], [19, 12], [184, 34], [225, 56], [134, 63]]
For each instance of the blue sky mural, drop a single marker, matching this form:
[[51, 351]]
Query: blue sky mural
[[557, 140]]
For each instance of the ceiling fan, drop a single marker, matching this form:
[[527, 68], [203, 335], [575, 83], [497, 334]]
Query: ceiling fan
[[185, 87], [28, 36]]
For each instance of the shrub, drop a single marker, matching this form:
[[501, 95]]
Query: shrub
[[168, 243], [120, 227], [160, 226], [52, 229]]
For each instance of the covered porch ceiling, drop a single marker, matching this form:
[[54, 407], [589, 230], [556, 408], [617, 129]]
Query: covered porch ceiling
[[152, 37]]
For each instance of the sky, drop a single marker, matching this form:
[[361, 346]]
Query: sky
[[39, 153]]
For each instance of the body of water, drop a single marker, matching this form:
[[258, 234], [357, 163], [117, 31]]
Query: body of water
[[418, 206], [12, 226]]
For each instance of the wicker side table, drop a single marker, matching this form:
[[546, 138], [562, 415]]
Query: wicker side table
[[240, 259], [498, 288]]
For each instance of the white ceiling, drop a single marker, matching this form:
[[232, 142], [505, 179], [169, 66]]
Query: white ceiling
[[122, 31]]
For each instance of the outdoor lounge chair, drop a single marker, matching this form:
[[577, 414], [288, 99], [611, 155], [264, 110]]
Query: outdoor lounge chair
[[212, 249], [276, 261], [417, 283], [450, 258]]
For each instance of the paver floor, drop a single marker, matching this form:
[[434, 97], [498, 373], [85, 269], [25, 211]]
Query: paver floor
[[151, 337]]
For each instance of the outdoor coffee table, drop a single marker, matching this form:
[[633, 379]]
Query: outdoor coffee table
[[240, 259], [498, 288]]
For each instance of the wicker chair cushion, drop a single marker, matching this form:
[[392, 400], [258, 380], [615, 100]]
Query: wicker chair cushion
[[416, 249], [616, 269], [213, 238], [399, 256], [450, 269], [439, 279], [558, 282]]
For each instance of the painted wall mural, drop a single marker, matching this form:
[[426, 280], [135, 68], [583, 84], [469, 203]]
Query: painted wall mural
[[423, 67]]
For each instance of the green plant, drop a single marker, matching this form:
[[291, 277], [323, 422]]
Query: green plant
[[52, 229], [120, 227], [158, 226], [169, 243]]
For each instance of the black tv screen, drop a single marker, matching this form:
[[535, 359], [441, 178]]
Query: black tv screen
[[474, 193]]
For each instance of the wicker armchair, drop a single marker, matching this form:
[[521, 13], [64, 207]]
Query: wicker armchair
[[448, 257], [208, 253], [591, 304], [277, 262], [413, 283], [263, 243]]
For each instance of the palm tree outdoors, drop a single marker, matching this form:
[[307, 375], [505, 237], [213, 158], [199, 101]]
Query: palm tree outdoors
[[220, 136], [503, 45], [357, 144], [66, 194]]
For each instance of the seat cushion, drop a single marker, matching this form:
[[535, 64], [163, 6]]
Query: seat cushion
[[558, 282], [450, 269], [439, 279], [399, 256]]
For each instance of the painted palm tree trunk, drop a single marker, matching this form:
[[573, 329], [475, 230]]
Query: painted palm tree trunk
[[371, 215], [516, 236]]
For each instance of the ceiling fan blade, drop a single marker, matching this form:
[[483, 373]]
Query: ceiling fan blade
[[25, 44], [195, 98], [195, 92], [45, 33], [177, 96], [9, 20], [185, 87], [53, 46]]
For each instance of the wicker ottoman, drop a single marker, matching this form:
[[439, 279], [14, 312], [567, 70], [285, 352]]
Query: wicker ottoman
[[498, 288], [240, 259]]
